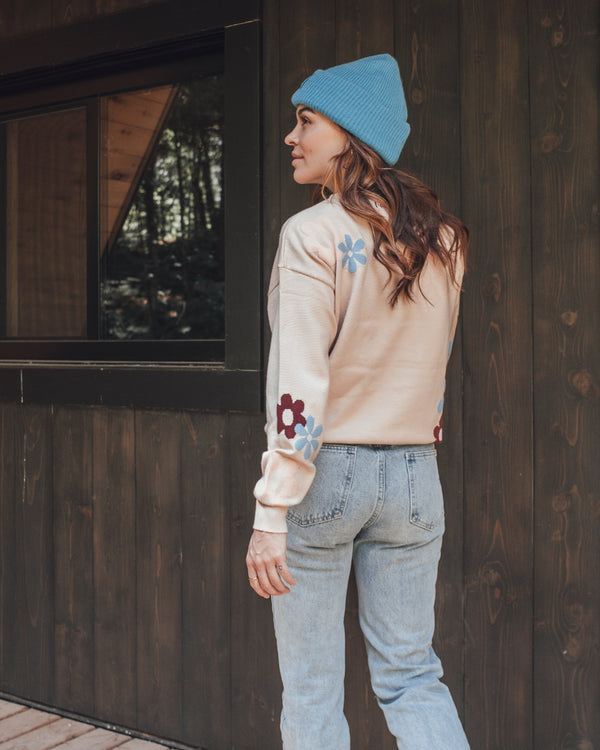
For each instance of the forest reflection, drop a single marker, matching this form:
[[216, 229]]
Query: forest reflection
[[162, 264]]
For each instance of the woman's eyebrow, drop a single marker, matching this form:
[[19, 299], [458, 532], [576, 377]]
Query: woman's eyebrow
[[305, 109]]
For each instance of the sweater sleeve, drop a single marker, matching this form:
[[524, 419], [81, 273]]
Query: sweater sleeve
[[302, 314]]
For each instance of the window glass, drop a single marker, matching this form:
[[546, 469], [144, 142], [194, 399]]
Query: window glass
[[45, 225], [161, 238]]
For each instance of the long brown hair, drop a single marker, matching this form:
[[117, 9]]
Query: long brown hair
[[411, 226]]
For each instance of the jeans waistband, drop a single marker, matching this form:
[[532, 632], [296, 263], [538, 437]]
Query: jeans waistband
[[384, 446]]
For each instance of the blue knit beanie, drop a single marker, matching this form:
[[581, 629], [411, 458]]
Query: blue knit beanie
[[364, 97]]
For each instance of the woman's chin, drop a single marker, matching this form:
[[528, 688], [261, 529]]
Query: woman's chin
[[305, 179]]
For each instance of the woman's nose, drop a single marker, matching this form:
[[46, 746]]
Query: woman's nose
[[290, 139]]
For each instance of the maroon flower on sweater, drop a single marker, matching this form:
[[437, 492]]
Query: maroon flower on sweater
[[289, 414], [437, 432]]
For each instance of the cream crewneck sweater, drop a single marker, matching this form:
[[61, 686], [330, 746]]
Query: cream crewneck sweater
[[344, 366]]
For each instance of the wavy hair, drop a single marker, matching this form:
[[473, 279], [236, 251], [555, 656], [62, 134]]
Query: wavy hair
[[417, 228]]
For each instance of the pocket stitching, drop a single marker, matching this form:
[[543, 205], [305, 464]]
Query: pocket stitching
[[415, 519], [337, 512]]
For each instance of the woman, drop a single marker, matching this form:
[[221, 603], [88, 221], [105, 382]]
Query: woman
[[363, 304]]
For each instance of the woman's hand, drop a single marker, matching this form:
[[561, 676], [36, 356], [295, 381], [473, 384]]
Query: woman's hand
[[266, 564]]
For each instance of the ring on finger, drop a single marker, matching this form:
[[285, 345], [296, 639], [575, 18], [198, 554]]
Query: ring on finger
[[255, 578]]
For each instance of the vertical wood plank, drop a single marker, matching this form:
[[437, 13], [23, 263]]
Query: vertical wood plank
[[427, 40], [24, 17], [307, 34], [255, 682], [114, 497], [206, 592], [34, 561], [498, 374], [73, 559], [565, 166], [158, 567], [363, 27], [11, 498], [272, 150]]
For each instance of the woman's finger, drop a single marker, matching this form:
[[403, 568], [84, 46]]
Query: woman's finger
[[254, 582], [267, 584], [275, 581], [284, 572]]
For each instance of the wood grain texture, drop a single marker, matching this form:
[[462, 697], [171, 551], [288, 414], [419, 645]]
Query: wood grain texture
[[34, 642], [25, 17], [51, 735], [364, 27], [206, 591], [158, 571], [255, 682], [11, 499], [427, 40], [114, 495], [29, 16], [73, 558], [49, 228], [276, 106], [307, 34], [564, 109], [498, 373]]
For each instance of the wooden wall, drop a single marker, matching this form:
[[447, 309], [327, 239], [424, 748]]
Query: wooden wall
[[123, 588]]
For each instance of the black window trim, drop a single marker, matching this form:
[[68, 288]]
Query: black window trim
[[105, 371]]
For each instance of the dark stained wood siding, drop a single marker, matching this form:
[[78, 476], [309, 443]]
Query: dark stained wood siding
[[498, 374], [123, 590], [28, 16], [565, 244]]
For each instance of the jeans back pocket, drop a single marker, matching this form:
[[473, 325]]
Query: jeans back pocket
[[328, 494], [426, 499]]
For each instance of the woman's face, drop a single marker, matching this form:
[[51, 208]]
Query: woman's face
[[315, 141]]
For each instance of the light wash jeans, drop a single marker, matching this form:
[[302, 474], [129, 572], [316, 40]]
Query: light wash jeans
[[380, 507]]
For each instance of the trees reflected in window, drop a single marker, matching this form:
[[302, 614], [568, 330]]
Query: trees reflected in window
[[162, 250]]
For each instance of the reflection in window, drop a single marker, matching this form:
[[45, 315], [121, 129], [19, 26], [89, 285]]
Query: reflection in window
[[45, 226], [162, 260]]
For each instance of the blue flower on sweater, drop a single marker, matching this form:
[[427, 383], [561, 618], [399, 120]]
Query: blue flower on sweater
[[352, 256], [440, 406], [307, 437]]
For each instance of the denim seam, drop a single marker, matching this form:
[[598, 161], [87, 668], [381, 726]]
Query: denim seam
[[380, 491], [415, 519], [338, 511]]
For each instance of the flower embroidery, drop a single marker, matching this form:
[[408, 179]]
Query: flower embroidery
[[440, 406], [307, 437], [352, 254], [437, 432], [289, 415]]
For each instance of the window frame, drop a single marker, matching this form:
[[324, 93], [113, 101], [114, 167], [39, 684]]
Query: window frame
[[211, 374]]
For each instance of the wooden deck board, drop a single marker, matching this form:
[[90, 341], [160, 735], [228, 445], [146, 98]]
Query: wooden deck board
[[8, 709], [47, 736], [23, 728], [22, 722], [97, 739]]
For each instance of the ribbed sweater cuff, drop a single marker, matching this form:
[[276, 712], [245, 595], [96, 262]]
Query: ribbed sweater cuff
[[270, 518]]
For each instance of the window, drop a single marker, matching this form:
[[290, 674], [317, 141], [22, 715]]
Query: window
[[162, 264], [130, 222]]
